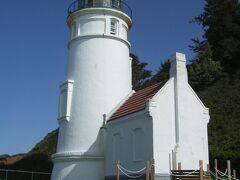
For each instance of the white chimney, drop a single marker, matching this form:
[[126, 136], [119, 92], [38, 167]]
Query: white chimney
[[178, 67]]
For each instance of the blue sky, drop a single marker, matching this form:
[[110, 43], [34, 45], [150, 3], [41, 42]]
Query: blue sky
[[33, 57]]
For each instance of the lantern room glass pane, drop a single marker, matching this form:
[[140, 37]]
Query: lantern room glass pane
[[116, 4]]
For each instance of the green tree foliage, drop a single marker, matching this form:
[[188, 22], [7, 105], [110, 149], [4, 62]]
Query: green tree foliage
[[161, 75], [48, 145], [139, 72], [204, 70], [218, 52], [223, 100], [221, 22]]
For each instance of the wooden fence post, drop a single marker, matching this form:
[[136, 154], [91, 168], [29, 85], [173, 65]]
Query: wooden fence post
[[234, 174], [118, 173], [153, 170], [147, 170], [216, 167], [229, 169], [201, 169]]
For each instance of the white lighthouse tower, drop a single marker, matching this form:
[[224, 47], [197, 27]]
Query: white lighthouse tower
[[98, 78]]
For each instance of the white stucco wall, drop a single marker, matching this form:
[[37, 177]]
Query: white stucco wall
[[162, 111], [134, 145], [193, 130], [193, 140]]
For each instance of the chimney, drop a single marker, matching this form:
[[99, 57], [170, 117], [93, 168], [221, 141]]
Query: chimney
[[178, 69], [178, 72]]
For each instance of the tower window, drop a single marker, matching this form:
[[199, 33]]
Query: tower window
[[113, 27]]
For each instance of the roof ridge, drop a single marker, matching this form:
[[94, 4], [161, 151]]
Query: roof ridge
[[151, 86]]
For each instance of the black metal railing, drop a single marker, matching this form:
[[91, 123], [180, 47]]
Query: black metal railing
[[113, 4]]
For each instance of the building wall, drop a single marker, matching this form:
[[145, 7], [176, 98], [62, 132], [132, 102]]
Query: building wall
[[193, 120], [193, 130], [129, 140], [179, 122], [162, 110]]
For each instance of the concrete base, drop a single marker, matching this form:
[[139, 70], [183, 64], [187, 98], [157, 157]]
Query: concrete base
[[83, 169]]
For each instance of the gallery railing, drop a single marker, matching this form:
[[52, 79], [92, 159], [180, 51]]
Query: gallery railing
[[112, 4]]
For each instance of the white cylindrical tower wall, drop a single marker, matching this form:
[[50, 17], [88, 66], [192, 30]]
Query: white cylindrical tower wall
[[98, 78]]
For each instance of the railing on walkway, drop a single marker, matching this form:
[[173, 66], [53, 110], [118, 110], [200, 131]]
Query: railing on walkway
[[198, 174], [112, 4], [8, 174]]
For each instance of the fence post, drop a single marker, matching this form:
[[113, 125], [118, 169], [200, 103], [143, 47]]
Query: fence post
[[153, 170], [234, 174], [229, 169], [179, 166], [147, 170], [6, 174], [201, 169], [170, 163], [32, 175], [216, 166], [118, 174]]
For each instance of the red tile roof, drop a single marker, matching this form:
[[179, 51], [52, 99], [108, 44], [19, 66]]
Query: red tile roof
[[137, 101]]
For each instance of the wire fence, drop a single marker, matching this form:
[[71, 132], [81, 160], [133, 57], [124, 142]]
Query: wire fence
[[8, 174]]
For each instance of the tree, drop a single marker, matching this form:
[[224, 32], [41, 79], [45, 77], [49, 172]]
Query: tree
[[139, 72], [221, 23], [161, 75], [204, 70]]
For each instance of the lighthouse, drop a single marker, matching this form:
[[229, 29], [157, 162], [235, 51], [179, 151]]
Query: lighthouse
[[98, 79]]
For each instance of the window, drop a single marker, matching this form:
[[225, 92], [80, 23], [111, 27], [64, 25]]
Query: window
[[89, 3], [113, 27], [116, 4]]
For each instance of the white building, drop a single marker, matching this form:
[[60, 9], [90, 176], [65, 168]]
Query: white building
[[102, 120]]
